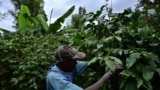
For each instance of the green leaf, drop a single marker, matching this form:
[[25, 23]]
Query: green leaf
[[43, 21], [119, 31], [147, 73], [92, 61], [101, 19], [123, 83], [151, 11], [148, 85], [99, 12], [99, 46], [136, 15], [100, 53], [110, 63], [131, 85], [14, 81], [118, 38], [145, 32], [158, 71], [89, 16], [139, 82], [132, 59], [24, 19], [117, 60], [119, 51], [126, 51], [152, 56], [108, 39], [128, 73], [129, 15], [53, 27]]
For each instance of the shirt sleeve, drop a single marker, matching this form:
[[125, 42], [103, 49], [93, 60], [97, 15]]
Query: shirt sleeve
[[80, 67], [57, 82]]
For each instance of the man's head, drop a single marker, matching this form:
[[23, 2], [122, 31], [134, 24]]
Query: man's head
[[66, 57]]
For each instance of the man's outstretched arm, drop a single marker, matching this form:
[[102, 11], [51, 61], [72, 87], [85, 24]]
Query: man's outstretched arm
[[104, 78]]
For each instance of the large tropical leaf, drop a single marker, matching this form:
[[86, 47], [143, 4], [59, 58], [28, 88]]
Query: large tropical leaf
[[24, 19], [43, 22], [53, 27]]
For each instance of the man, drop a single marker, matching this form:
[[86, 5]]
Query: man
[[61, 75]]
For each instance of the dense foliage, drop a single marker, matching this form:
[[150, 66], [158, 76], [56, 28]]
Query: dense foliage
[[131, 37], [21, 59]]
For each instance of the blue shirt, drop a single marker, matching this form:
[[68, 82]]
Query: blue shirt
[[59, 80]]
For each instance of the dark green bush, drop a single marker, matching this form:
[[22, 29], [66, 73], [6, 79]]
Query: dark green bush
[[24, 61], [132, 37]]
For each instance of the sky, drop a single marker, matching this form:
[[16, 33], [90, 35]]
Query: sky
[[61, 6]]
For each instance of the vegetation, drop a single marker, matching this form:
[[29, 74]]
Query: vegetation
[[35, 7], [131, 37]]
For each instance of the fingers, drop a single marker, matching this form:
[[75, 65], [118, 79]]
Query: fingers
[[119, 66]]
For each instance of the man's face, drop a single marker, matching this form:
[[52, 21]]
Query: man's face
[[68, 66]]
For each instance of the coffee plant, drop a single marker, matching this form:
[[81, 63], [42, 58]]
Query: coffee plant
[[129, 38]]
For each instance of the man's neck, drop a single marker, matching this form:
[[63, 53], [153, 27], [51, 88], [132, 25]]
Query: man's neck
[[60, 66]]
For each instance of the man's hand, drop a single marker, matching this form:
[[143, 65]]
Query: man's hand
[[119, 68]]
